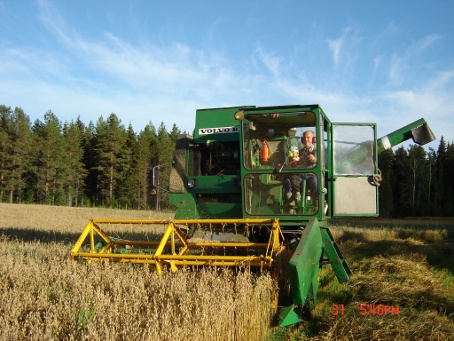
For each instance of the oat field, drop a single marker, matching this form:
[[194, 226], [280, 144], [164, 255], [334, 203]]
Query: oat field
[[46, 296], [406, 266]]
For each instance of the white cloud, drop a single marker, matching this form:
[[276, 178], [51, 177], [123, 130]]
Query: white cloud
[[342, 48], [376, 64], [395, 71], [272, 63], [423, 44], [92, 76], [336, 46], [400, 67], [432, 100]]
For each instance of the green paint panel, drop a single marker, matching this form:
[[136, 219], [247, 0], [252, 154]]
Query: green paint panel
[[216, 184], [305, 263], [340, 266], [219, 210], [216, 124], [186, 207], [288, 316]]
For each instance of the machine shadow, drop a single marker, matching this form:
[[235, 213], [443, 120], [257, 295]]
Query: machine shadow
[[34, 235]]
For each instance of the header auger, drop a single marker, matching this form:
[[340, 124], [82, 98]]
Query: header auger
[[254, 186]]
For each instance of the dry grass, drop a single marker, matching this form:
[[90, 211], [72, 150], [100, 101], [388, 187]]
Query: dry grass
[[407, 267], [425, 305], [64, 219]]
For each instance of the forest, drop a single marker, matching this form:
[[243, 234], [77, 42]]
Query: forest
[[106, 164]]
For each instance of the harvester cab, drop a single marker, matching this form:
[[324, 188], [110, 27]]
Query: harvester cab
[[287, 162], [255, 185]]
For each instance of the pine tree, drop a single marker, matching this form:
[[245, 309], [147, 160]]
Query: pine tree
[[5, 122], [429, 200], [164, 156], [386, 189], [418, 166], [110, 141], [174, 133], [90, 162], [126, 187], [74, 171], [143, 158], [449, 199], [439, 178], [403, 184], [19, 150], [49, 159]]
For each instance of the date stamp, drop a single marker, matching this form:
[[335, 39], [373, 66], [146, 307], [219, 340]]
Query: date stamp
[[368, 309]]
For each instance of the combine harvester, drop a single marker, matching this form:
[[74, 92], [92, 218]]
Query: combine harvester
[[246, 190]]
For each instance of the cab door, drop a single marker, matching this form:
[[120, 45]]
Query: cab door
[[354, 161]]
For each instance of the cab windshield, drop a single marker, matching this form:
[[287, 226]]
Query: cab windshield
[[280, 150], [268, 139]]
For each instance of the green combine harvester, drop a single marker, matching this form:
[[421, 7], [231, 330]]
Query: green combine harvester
[[254, 187]]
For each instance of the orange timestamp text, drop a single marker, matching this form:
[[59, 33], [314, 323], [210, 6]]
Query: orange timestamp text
[[368, 309]]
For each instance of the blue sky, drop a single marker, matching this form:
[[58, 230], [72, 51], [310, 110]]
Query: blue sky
[[387, 62]]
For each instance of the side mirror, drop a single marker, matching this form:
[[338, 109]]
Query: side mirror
[[156, 176]]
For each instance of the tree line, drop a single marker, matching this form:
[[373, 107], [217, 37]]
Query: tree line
[[103, 164], [417, 182], [106, 164]]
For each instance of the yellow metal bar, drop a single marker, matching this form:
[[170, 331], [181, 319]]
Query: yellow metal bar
[[224, 221], [131, 221], [185, 263], [175, 257], [101, 233], [183, 241], [184, 221], [214, 257], [82, 237], [180, 235], [164, 239], [89, 231], [162, 244], [173, 266], [157, 264], [239, 245], [274, 242], [182, 260], [255, 264], [246, 245], [92, 240], [277, 235], [172, 239]]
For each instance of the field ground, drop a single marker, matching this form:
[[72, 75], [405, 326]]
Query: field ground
[[402, 286]]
